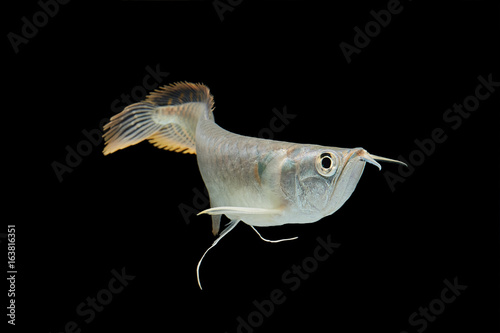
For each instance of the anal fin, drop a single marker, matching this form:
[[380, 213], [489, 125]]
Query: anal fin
[[215, 224]]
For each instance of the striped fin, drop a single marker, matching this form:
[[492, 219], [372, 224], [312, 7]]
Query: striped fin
[[167, 119], [129, 127], [180, 93]]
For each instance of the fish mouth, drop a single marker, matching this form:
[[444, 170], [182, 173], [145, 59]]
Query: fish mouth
[[372, 159], [353, 166]]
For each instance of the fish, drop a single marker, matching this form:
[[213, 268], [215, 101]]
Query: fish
[[257, 181]]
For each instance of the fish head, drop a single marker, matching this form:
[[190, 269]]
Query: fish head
[[323, 178]]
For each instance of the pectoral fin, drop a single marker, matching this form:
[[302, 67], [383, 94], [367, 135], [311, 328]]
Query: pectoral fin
[[240, 211]]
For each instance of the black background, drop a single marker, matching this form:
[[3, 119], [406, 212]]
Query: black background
[[121, 211]]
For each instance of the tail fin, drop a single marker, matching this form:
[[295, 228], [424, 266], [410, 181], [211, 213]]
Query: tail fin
[[167, 118]]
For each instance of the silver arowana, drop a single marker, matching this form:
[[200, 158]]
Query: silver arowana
[[257, 181]]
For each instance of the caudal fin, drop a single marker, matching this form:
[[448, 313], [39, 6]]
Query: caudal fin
[[167, 119]]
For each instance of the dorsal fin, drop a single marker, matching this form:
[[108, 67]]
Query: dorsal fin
[[167, 118], [180, 93]]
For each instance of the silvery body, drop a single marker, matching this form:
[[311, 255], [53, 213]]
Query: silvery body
[[257, 181], [286, 178]]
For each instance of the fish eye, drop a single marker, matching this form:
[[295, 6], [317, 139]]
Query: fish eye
[[326, 164]]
